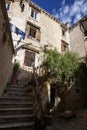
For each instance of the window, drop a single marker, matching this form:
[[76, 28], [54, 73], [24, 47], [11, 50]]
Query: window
[[33, 32], [29, 58], [8, 5], [77, 90], [64, 47], [34, 13], [63, 32]]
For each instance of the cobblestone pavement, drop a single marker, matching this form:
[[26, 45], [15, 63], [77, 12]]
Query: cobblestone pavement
[[76, 123]]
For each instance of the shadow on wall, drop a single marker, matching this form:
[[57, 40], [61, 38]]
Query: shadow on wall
[[6, 48], [75, 98]]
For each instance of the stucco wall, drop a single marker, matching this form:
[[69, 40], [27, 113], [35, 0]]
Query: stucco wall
[[6, 48]]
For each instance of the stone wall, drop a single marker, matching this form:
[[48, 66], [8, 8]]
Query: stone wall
[[41, 100], [6, 48], [50, 28], [51, 32], [77, 43]]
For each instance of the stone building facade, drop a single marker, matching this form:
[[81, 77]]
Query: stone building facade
[[33, 29], [6, 48], [77, 39], [78, 44]]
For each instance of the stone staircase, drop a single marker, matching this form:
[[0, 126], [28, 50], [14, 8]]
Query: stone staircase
[[16, 108]]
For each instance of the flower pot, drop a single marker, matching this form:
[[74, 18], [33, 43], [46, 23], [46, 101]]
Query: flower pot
[[48, 120], [14, 79], [29, 90]]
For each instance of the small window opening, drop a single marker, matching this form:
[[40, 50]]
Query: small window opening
[[63, 32], [8, 4]]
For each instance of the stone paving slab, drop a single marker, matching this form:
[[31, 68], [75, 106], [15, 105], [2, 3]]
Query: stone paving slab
[[76, 123]]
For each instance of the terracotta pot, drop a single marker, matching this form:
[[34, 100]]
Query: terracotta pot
[[29, 90], [14, 79], [48, 120]]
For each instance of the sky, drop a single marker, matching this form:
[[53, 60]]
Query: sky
[[65, 10]]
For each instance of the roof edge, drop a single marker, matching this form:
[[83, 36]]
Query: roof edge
[[78, 22], [50, 15]]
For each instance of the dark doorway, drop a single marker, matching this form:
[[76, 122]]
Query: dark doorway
[[52, 94]]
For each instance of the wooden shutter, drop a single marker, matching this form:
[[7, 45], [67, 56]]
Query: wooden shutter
[[27, 30], [38, 34], [62, 47]]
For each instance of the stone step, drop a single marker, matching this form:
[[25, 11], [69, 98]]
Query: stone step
[[17, 88], [16, 108], [16, 104], [19, 84], [17, 94], [18, 126], [19, 91], [15, 98], [16, 118], [10, 111], [14, 92], [15, 85]]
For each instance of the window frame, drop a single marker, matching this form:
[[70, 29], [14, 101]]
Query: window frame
[[30, 63], [32, 32], [10, 3], [63, 32], [64, 47], [34, 13], [31, 27]]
